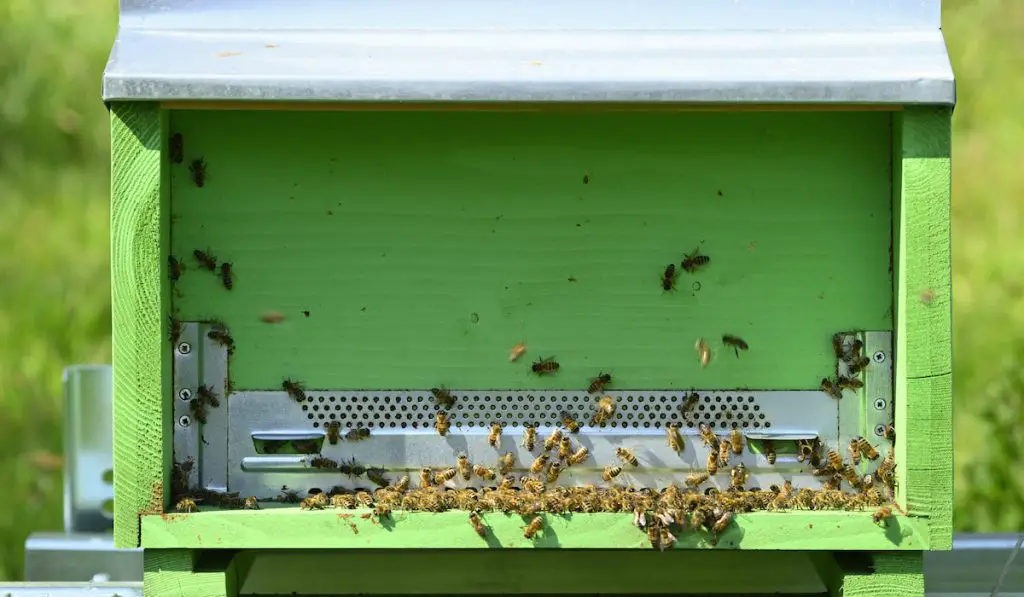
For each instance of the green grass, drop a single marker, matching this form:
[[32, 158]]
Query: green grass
[[54, 278]]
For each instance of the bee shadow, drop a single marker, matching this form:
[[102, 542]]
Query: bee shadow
[[457, 443], [387, 523], [547, 537], [894, 530]]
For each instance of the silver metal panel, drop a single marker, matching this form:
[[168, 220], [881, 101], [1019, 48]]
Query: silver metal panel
[[866, 412], [88, 448], [187, 364], [71, 589], [700, 51], [74, 557], [213, 466]]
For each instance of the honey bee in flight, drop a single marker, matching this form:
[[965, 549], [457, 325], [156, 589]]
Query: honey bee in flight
[[443, 398], [569, 422], [529, 437], [668, 277], [545, 366], [626, 455], [675, 439], [735, 342], [610, 472], [442, 423], [597, 385], [250, 503], [531, 530], [495, 435], [294, 390], [703, 352], [694, 261]]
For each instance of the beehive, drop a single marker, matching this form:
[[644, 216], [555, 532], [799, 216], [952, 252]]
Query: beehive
[[309, 258]]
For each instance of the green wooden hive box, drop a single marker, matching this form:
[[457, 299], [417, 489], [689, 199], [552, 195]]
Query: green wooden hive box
[[372, 259]]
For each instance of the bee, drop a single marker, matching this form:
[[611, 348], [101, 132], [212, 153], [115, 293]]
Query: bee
[[531, 530], [605, 410], [723, 452], [831, 388], [304, 446], [198, 410], [314, 502], [553, 439], [425, 477], [693, 261], [532, 485], [578, 456], [769, 451], [517, 351], [855, 349], [402, 485], [250, 503], [554, 469], [722, 523], [272, 317], [225, 275], [675, 439], [696, 479], [890, 432], [568, 422], [487, 474], [174, 268], [352, 468], [835, 461], [177, 148], [708, 435], [668, 277], [626, 455], [858, 365], [506, 483], [735, 342], [689, 404], [654, 534], [198, 170], [294, 390], [530, 437], [539, 463], [506, 462], [442, 423], [712, 464], [288, 496], [703, 352], [495, 436], [803, 450], [175, 330], [545, 366], [208, 396], [442, 397], [837, 346], [187, 505], [849, 383], [736, 440], [205, 259], [222, 337], [882, 515], [610, 472], [464, 466], [382, 510], [333, 432], [357, 434], [564, 447], [376, 476], [444, 476], [478, 524], [854, 449], [598, 384], [322, 463], [866, 449], [738, 476]]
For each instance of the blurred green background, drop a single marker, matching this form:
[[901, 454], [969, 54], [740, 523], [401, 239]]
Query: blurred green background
[[54, 277]]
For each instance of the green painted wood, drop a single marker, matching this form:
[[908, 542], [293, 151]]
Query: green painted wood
[[185, 573], [592, 572], [424, 245], [140, 304], [289, 528], [923, 385], [893, 575]]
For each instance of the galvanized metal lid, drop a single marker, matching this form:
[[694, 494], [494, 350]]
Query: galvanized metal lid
[[694, 51]]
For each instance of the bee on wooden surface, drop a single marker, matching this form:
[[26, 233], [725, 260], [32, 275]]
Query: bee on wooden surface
[[530, 531], [186, 505], [272, 317], [696, 479], [565, 447], [464, 466], [198, 410], [769, 450], [443, 476], [198, 170], [722, 522], [545, 366], [376, 476], [689, 404], [357, 435], [723, 452], [174, 268], [225, 275], [174, 331], [626, 455], [883, 515], [221, 336], [712, 463], [866, 449], [442, 397], [735, 342], [675, 439], [569, 422], [208, 396], [250, 503], [739, 475], [314, 502], [495, 435], [598, 384], [333, 432], [294, 390], [529, 437], [849, 383], [553, 439], [478, 524], [425, 476], [539, 463], [506, 462], [205, 259], [736, 441], [578, 456], [831, 388], [669, 277], [343, 500], [322, 463], [177, 148], [610, 472], [382, 510], [703, 352], [854, 450], [858, 365], [442, 423], [837, 346], [708, 435], [605, 411], [487, 474], [694, 261], [554, 469], [517, 351]]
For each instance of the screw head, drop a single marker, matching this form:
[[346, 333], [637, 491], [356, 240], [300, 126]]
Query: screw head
[[878, 357], [184, 348], [879, 404], [184, 420], [185, 394], [880, 430]]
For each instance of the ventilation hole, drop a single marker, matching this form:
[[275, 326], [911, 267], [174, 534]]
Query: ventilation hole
[[332, 398], [745, 407], [309, 398], [304, 407], [756, 407], [756, 425], [718, 398], [728, 398], [761, 416], [331, 416], [745, 424], [707, 399], [403, 425], [689, 424], [767, 425], [750, 398], [321, 398], [315, 425], [310, 416]]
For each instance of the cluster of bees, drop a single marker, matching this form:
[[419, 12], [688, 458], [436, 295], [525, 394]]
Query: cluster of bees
[[206, 261], [196, 167], [855, 362], [690, 264]]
